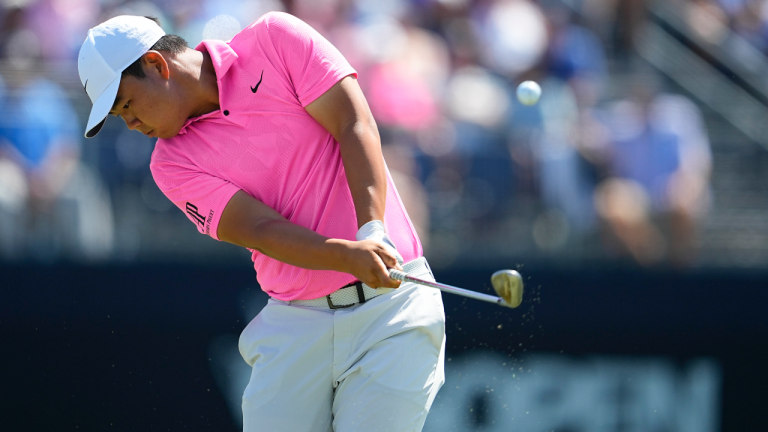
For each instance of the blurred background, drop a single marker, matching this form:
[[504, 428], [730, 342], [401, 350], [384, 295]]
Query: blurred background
[[632, 197]]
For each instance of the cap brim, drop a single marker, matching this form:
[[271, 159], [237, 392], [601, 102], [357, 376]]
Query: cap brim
[[101, 108]]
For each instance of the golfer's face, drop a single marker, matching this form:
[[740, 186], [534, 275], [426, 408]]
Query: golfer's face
[[147, 105]]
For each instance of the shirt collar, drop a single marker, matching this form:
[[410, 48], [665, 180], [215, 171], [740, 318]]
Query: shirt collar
[[223, 57]]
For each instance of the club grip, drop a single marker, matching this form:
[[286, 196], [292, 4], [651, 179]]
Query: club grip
[[397, 275]]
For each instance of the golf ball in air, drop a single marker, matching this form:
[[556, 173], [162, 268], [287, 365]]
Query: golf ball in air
[[528, 92]]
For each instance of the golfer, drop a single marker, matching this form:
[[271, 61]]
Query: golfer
[[267, 142]]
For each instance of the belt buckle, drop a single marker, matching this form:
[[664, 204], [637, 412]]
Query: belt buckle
[[333, 306], [360, 296]]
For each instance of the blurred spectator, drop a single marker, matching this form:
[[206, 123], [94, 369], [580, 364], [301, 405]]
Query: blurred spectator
[[478, 168], [660, 166], [60, 25], [570, 148], [322, 15], [513, 39], [750, 21], [13, 20], [408, 72], [52, 203], [514, 33], [715, 21], [707, 20], [629, 19], [566, 167]]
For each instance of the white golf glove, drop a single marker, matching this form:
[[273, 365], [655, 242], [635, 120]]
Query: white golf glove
[[374, 230]]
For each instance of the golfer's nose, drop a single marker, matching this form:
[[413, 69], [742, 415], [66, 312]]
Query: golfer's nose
[[132, 122]]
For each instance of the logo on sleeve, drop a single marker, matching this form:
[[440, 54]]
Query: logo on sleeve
[[196, 216], [254, 89]]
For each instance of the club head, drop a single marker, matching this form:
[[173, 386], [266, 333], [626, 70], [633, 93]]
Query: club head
[[508, 285]]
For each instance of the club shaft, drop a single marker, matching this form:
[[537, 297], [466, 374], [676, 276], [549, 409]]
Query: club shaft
[[447, 288]]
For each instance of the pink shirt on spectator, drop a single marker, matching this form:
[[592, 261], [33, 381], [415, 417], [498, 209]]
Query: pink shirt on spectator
[[264, 142]]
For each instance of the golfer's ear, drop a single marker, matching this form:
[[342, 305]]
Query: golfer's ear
[[156, 62]]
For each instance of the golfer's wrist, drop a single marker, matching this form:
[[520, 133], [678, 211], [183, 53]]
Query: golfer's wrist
[[340, 254]]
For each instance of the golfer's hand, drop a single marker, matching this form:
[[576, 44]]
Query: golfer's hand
[[374, 230], [369, 261]]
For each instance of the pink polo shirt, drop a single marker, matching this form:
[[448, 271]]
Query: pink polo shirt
[[264, 142]]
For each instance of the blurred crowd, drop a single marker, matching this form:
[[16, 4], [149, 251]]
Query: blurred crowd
[[713, 20], [609, 160]]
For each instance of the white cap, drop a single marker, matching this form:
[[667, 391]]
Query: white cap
[[108, 49]]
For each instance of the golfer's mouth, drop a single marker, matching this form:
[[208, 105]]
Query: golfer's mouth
[[149, 134]]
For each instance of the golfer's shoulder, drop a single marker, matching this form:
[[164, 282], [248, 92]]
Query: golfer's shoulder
[[168, 160], [270, 30], [280, 20], [278, 27], [271, 24]]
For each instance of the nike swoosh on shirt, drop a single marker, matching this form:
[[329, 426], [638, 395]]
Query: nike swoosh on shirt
[[254, 89]]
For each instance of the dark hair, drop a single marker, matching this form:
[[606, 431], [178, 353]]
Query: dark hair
[[170, 43]]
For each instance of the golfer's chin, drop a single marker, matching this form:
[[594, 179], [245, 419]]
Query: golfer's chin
[[167, 133]]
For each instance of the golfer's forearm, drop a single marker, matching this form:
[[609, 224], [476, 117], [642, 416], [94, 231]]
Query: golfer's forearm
[[292, 244], [365, 170], [250, 223], [297, 246]]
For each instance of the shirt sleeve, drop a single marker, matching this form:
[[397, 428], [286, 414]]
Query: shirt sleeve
[[312, 63], [201, 196]]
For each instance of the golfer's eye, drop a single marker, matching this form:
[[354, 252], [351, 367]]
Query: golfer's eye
[[126, 105]]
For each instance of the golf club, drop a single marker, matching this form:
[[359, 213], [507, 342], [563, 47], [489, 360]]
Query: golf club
[[508, 284]]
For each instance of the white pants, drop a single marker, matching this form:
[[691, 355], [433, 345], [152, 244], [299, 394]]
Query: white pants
[[371, 367]]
